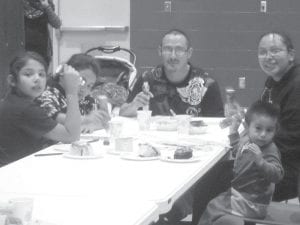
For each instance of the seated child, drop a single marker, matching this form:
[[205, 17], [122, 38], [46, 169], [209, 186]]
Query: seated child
[[25, 127], [53, 99], [257, 168]]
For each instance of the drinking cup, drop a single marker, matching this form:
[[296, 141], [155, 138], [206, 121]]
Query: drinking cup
[[124, 144], [183, 123], [144, 118], [115, 128], [21, 208]]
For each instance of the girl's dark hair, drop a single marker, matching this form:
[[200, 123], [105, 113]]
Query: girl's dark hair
[[284, 37], [20, 61], [263, 109], [83, 61]]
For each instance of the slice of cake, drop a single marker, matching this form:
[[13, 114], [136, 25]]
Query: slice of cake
[[146, 150], [183, 153], [81, 148]]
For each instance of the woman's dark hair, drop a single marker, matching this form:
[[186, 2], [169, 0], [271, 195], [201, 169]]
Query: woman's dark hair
[[20, 61], [284, 37], [83, 61], [263, 109]]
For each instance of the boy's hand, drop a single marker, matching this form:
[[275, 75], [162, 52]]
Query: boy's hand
[[236, 122], [255, 152]]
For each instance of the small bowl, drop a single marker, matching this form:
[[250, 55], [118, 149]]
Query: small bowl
[[197, 127], [166, 124]]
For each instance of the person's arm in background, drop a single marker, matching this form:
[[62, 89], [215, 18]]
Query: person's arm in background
[[48, 8], [136, 99], [130, 109], [70, 130]]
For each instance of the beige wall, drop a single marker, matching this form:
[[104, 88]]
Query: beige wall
[[82, 24]]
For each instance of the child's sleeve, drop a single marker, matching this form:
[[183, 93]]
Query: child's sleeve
[[271, 167], [50, 103], [234, 139], [35, 121]]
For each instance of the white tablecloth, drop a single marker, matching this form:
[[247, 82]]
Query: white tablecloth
[[69, 191]]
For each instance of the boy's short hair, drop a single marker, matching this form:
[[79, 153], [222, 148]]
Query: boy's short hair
[[83, 61], [178, 32], [262, 108]]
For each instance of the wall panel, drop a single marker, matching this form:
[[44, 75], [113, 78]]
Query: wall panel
[[224, 35]]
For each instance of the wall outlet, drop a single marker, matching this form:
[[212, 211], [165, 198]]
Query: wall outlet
[[242, 82], [263, 6], [167, 6]]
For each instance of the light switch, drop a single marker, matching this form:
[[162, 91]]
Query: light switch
[[263, 6], [167, 6], [242, 82]]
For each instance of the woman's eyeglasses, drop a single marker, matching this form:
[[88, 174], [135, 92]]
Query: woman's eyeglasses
[[272, 52]]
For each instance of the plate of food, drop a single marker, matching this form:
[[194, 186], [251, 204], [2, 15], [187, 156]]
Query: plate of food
[[71, 156], [145, 152], [88, 138], [182, 154], [82, 150]]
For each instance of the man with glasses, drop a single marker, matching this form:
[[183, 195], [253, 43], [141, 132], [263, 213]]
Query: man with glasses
[[177, 86]]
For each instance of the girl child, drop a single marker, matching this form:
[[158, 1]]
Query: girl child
[[257, 168], [53, 99], [25, 127]]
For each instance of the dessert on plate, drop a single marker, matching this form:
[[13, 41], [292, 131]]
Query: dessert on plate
[[183, 153], [81, 148], [147, 150]]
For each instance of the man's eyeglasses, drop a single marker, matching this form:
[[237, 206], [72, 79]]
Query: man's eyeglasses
[[179, 51]]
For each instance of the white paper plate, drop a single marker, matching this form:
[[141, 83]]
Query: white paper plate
[[113, 152], [61, 147], [96, 156], [135, 157], [89, 138], [170, 159]]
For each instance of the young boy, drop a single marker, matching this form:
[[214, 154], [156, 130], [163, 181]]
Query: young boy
[[257, 168]]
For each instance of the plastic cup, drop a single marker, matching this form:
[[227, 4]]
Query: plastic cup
[[115, 128], [183, 124], [124, 144], [21, 208], [144, 118]]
